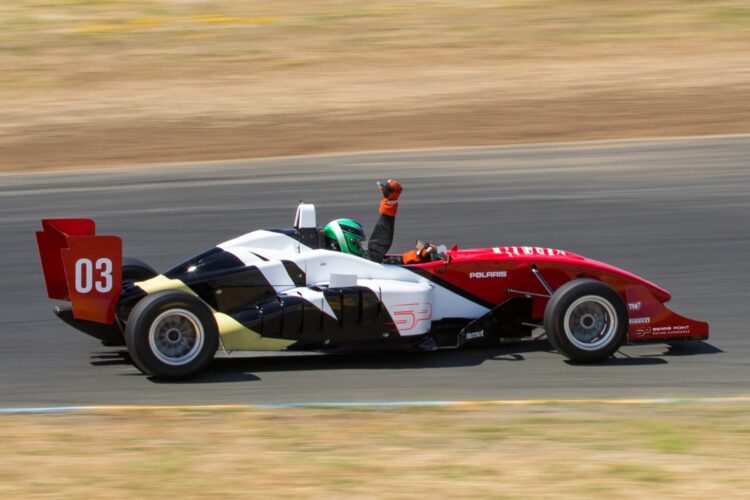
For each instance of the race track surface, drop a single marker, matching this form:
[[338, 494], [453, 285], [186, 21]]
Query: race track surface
[[674, 211]]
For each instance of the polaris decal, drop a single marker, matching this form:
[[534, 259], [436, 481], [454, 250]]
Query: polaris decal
[[488, 274]]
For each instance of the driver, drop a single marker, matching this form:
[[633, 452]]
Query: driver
[[348, 236]]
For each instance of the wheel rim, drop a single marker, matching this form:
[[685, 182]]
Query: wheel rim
[[590, 322], [176, 337]]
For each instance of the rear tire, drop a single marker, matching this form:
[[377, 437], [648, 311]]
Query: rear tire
[[136, 270], [133, 270], [586, 321], [171, 335]]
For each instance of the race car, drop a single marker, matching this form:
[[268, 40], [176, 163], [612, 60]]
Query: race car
[[285, 290]]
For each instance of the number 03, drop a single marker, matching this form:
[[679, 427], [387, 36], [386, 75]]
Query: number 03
[[85, 281]]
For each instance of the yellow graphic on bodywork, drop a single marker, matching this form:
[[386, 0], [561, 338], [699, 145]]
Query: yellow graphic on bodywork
[[234, 335], [161, 282], [237, 337]]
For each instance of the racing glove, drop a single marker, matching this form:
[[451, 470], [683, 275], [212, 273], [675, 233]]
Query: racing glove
[[424, 252], [391, 190]]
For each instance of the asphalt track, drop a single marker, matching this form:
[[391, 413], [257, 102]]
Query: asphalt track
[[676, 211]]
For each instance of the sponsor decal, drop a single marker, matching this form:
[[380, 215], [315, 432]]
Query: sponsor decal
[[634, 306], [528, 251], [663, 331], [488, 275], [640, 332], [408, 316], [475, 335], [671, 330], [640, 321]]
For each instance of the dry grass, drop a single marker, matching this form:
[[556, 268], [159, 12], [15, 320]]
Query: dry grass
[[547, 451], [116, 81]]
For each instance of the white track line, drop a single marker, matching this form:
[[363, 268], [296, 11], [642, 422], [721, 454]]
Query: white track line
[[376, 404]]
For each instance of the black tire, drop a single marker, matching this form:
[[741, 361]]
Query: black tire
[[171, 335], [136, 270], [586, 321], [132, 270]]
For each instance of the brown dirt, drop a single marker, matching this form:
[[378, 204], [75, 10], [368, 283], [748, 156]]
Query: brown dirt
[[109, 83], [598, 116]]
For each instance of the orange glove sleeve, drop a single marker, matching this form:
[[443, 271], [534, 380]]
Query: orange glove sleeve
[[388, 207], [411, 257]]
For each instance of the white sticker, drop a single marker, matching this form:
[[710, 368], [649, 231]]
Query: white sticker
[[84, 275]]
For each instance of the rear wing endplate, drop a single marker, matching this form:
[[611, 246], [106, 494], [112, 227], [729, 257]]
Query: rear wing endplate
[[81, 267]]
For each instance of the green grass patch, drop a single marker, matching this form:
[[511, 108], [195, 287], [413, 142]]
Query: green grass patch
[[641, 473]]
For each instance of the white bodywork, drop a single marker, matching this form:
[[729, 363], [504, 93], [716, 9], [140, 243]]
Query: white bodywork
[[412, 301]]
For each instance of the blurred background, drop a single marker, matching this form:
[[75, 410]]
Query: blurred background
[[99, 82]]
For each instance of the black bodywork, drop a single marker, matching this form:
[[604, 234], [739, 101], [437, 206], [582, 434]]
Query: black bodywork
[[229, 286]]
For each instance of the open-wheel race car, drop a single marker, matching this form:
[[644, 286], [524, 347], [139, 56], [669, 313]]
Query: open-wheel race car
[[276, 290]]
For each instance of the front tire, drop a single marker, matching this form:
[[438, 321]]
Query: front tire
[[171, 335], [586, 321]]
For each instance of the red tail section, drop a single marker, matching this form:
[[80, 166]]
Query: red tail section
[[81, 267]]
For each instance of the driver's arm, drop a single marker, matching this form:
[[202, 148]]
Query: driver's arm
[[382, 235]]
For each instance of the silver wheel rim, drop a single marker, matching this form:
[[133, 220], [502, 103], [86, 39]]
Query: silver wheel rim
[[590, 322], [176, 337]]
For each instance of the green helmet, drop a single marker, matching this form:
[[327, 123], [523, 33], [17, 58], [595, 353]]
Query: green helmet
[[346, 236]]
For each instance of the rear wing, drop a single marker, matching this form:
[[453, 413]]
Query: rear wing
[[81, 267]]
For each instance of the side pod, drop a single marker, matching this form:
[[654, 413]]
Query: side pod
[[81, 267]]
